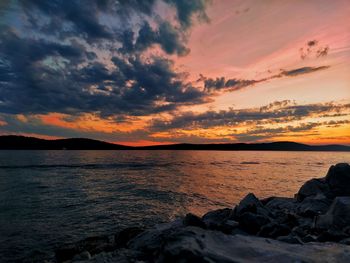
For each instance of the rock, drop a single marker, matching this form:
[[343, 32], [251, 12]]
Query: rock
[[214, 219], [95, 244], [124, 236], [280, 204], [274, 230], [228, 226], [338, 179], [252, 223], [338, 215], [150, 240], [313, 206], [193, 220], [345, 241], [66, 253], [300, 231], [248, 204], [198, 245], [85, 255], [309, 238], [331, 236], [291, 239], [313, 187]]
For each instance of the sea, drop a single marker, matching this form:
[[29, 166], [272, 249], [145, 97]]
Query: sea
[[51, 198]]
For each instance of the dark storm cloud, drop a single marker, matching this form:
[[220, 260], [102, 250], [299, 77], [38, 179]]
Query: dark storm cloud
[[171, 40], [185, 9], [276, 112], [233, 84], [135, 87], [301, 71], [217, 84], [58, 57]]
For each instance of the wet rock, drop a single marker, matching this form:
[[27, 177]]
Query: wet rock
[[124, 236], [338, 215], [252, 223], [313, 188], [338, 179]]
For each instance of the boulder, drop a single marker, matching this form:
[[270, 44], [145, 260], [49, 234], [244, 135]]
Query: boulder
[[124, 236], [198, 245], [291, 239], [252, 223], [313, 188], [193, 220], [274, 230], [338, 215], [313, 206], [251, 204], [280, 204], [331, 236], [93, 245], [338, 179], [215, 218]]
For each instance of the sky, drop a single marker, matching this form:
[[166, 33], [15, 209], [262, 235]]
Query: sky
[[145, 72]]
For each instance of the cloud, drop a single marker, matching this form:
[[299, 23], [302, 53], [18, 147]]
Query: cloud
[[278, 112], [233, 84], [313, 49], [301, 71], [171, 40], [92, 56], [185, 10]]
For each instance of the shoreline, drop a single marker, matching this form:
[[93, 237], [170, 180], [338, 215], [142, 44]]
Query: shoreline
[[313, 224]]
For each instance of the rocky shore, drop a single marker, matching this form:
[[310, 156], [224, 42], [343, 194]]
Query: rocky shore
[[314, 226]]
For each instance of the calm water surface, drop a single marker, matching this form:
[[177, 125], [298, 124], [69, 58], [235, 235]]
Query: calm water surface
[[48, 198]]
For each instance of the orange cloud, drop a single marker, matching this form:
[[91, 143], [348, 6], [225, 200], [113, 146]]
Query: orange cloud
[[91, 122]]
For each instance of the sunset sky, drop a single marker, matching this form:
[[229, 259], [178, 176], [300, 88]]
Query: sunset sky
[[142, 72]]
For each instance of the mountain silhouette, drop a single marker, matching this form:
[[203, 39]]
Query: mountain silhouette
[[14, 142]]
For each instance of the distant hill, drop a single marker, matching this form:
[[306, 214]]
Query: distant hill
[[13, 142], [273, 146]]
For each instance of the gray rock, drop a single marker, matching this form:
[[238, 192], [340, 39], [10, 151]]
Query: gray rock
[[309, 238], [248, 204], [252, 223], [338, 215], [338, 179], [274, 230], [216, 217], [331, 236], [313, 187], [124, 236], [313, 206], [85, 255], [291, 239], [193, 220], [197, 245], [280, 204]]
